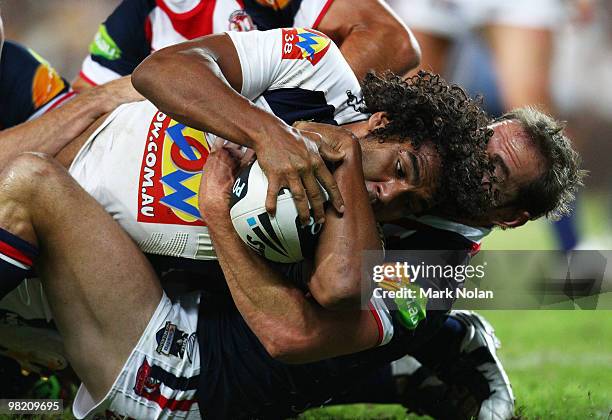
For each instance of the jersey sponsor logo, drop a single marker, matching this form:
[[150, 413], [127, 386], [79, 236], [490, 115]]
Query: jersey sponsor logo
[[240, 21], [274, 4], [170, 174], [304, 44], [104, 45], [172, 341]]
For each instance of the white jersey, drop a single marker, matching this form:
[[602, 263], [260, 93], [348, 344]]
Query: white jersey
[[145, 168]]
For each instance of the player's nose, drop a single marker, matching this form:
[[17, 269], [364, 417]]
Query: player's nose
[[390, 190]]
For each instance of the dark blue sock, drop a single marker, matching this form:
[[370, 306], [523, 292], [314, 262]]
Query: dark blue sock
[[567, 232], [444, 345], [16, 258]]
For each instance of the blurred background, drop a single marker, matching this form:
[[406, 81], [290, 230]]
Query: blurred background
[[559, 362]]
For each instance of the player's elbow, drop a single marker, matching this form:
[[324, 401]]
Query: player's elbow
[[339, 287], [290, 346], [147, 73], [142, 76]]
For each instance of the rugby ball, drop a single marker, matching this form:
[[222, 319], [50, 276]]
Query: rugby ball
[[280, 238]]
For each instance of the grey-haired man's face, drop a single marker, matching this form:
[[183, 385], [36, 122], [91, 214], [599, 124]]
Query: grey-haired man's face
[[516, 159]]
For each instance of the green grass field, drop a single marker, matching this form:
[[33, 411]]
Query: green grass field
[[559, 362]]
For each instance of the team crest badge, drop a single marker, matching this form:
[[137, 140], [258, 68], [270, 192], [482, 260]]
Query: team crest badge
[[240, 21], [304, 44], [171, 341]]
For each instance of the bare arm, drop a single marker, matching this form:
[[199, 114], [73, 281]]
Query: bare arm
[[197, 83], [55, 129], [371, 37], [81, 85], [336, 280], [266, 299]]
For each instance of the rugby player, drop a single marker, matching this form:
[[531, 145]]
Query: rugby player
[[138, 27], [39, 111], [232, 356], [303, 66], [370, 36]]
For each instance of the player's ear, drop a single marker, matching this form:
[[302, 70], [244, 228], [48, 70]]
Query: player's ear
[[514, 220], [378, 120]]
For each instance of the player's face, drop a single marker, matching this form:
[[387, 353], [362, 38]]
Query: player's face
[[516, 160], [400, 178]]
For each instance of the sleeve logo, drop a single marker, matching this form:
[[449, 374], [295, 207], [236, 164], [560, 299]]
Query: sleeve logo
[[104, 46], [46, 84], [304, 44]]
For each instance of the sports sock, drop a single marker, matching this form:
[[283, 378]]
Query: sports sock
[[444, 345], [16, 256], [567, 232]]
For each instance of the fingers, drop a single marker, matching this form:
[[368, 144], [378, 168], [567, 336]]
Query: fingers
[[315, 197], [272, 195], [301, 200], [328, 182]]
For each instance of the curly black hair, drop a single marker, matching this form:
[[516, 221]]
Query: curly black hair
[[426, 108]]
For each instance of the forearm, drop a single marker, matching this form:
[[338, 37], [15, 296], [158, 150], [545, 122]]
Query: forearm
[[266, 301], [53, 130], [202, 96], [336, 281]]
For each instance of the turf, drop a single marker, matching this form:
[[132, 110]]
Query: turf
[[559, 363]]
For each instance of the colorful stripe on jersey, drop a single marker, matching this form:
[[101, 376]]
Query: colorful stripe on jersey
[[151, 378], [28, 84], [16, 251], [383, 319]]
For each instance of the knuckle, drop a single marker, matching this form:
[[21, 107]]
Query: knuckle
[[315, 196], [299, 196]]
